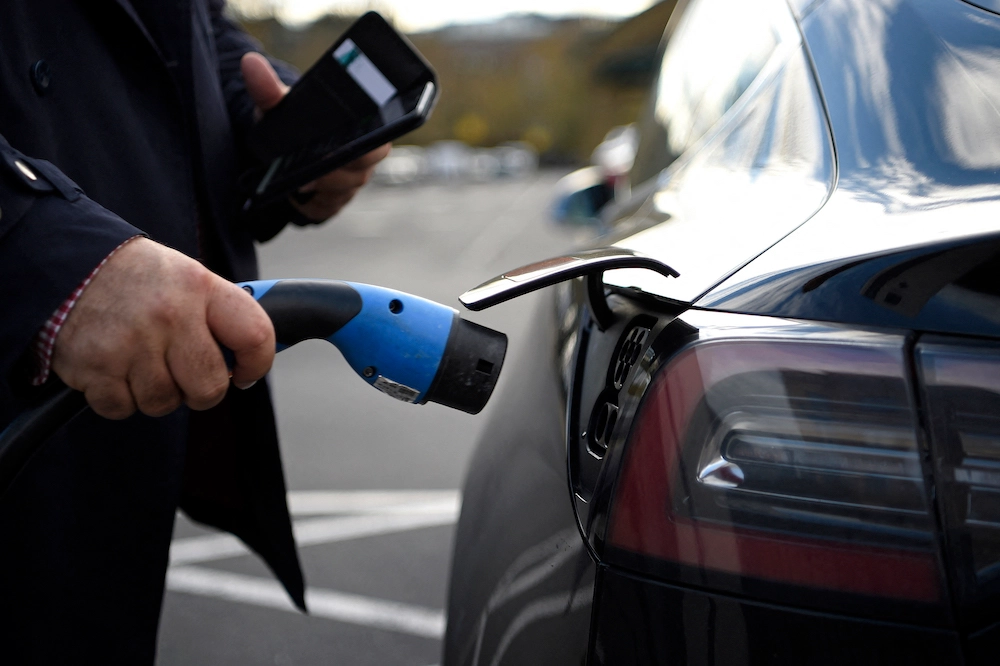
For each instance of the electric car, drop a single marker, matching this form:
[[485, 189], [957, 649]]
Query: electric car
[[759, 420]]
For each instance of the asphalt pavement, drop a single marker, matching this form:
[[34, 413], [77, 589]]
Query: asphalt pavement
[[374, 483]]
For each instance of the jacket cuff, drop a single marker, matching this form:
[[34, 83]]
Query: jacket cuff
[[267, 221], [50, 250], [45, 341]]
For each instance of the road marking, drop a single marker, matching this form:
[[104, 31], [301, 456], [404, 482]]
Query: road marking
[[315, 531], [328, 604], [369, 513], [327, 502]]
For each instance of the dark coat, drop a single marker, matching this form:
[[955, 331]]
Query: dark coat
[[143, 109]]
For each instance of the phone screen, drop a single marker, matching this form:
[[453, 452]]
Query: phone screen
[[370, 83]]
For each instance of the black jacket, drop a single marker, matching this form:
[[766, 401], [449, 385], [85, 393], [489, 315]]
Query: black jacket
[[144, 112]]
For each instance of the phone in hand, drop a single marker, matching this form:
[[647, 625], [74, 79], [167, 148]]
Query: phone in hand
[[369, 88]]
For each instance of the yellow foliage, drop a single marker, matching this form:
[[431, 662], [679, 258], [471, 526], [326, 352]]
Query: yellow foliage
[[553, 89], [471, 128], [539, 137]]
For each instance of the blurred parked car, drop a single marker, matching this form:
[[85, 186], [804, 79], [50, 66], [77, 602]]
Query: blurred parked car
[[449, 160], [403, 165], [773, 437], [616, 153], [518, 159], [580, 195], [454, 161], [484, 165], [514, 159]]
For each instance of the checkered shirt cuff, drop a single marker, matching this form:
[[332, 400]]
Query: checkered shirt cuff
[[45, 341]]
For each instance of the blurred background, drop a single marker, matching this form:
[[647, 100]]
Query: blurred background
[[375, 485], [554, 82]]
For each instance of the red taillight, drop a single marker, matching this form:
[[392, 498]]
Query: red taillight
[[961, 382], [791, 461]]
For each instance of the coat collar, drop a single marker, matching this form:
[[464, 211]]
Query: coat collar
[[129, 10], [178, 31]]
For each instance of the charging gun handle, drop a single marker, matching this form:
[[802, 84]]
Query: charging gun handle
[[300, 309], [410, 348]]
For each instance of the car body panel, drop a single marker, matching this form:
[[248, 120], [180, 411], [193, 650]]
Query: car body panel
[[707, 628], [904, 171], [773, 158], [881, 216], [521, 594]]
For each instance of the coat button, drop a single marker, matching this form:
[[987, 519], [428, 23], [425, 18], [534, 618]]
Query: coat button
[[41, 77]]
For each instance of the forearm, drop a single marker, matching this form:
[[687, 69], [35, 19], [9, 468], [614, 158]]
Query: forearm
[[51, 237], [45, 341], [232, 43]]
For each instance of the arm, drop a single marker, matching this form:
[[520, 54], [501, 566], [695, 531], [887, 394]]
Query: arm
[[51, 237], [232, 43], [142, 334], [253, 84]]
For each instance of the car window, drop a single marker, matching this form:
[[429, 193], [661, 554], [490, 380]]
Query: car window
[[765, 169], [714, 51]]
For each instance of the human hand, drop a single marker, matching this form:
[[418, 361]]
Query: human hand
[[145, 335], [331, 192]]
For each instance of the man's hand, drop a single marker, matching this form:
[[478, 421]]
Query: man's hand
[[332, 191], [146, 333]]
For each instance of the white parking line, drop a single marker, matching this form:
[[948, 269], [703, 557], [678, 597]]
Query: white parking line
[[329, 604], [322, 530], [369, 513], [374, 513], [327, 502]]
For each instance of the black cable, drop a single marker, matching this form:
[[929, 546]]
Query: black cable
[[26, 434]]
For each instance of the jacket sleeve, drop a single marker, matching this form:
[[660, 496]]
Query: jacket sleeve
[[232, 43], [51, 237]]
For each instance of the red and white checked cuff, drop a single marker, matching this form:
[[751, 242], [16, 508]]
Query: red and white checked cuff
[[45, 341]]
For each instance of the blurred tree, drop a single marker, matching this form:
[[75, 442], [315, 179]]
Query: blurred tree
[[472, 129], [559, 84]]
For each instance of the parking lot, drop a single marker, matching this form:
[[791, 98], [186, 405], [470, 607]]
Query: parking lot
[[374, 483]]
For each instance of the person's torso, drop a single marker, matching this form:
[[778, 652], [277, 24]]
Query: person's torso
[[125, 98]]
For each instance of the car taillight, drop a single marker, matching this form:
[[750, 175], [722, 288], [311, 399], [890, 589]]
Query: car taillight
[[786, 460], [961, 383]]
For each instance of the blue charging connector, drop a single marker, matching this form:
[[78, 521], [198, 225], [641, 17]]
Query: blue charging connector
[[408, 347]]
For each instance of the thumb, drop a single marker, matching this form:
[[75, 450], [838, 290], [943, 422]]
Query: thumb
[[263, 84]]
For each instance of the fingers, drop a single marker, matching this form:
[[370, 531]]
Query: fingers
[[199, 370], [334, 190], [352, 175], [368, 160], [340, 181], [153, 388], [197, 377], [324, 205], [240, 324], [111, 399], [145, 335], [262, 82], [191, 371]]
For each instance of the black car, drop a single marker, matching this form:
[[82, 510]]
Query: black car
[[763, 426]]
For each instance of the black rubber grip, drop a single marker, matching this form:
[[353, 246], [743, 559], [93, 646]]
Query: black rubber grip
[[309, 309]]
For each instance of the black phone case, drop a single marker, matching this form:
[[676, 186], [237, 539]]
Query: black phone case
[[306, 129]]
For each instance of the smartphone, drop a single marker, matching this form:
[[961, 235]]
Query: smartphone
[[370, 87]]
